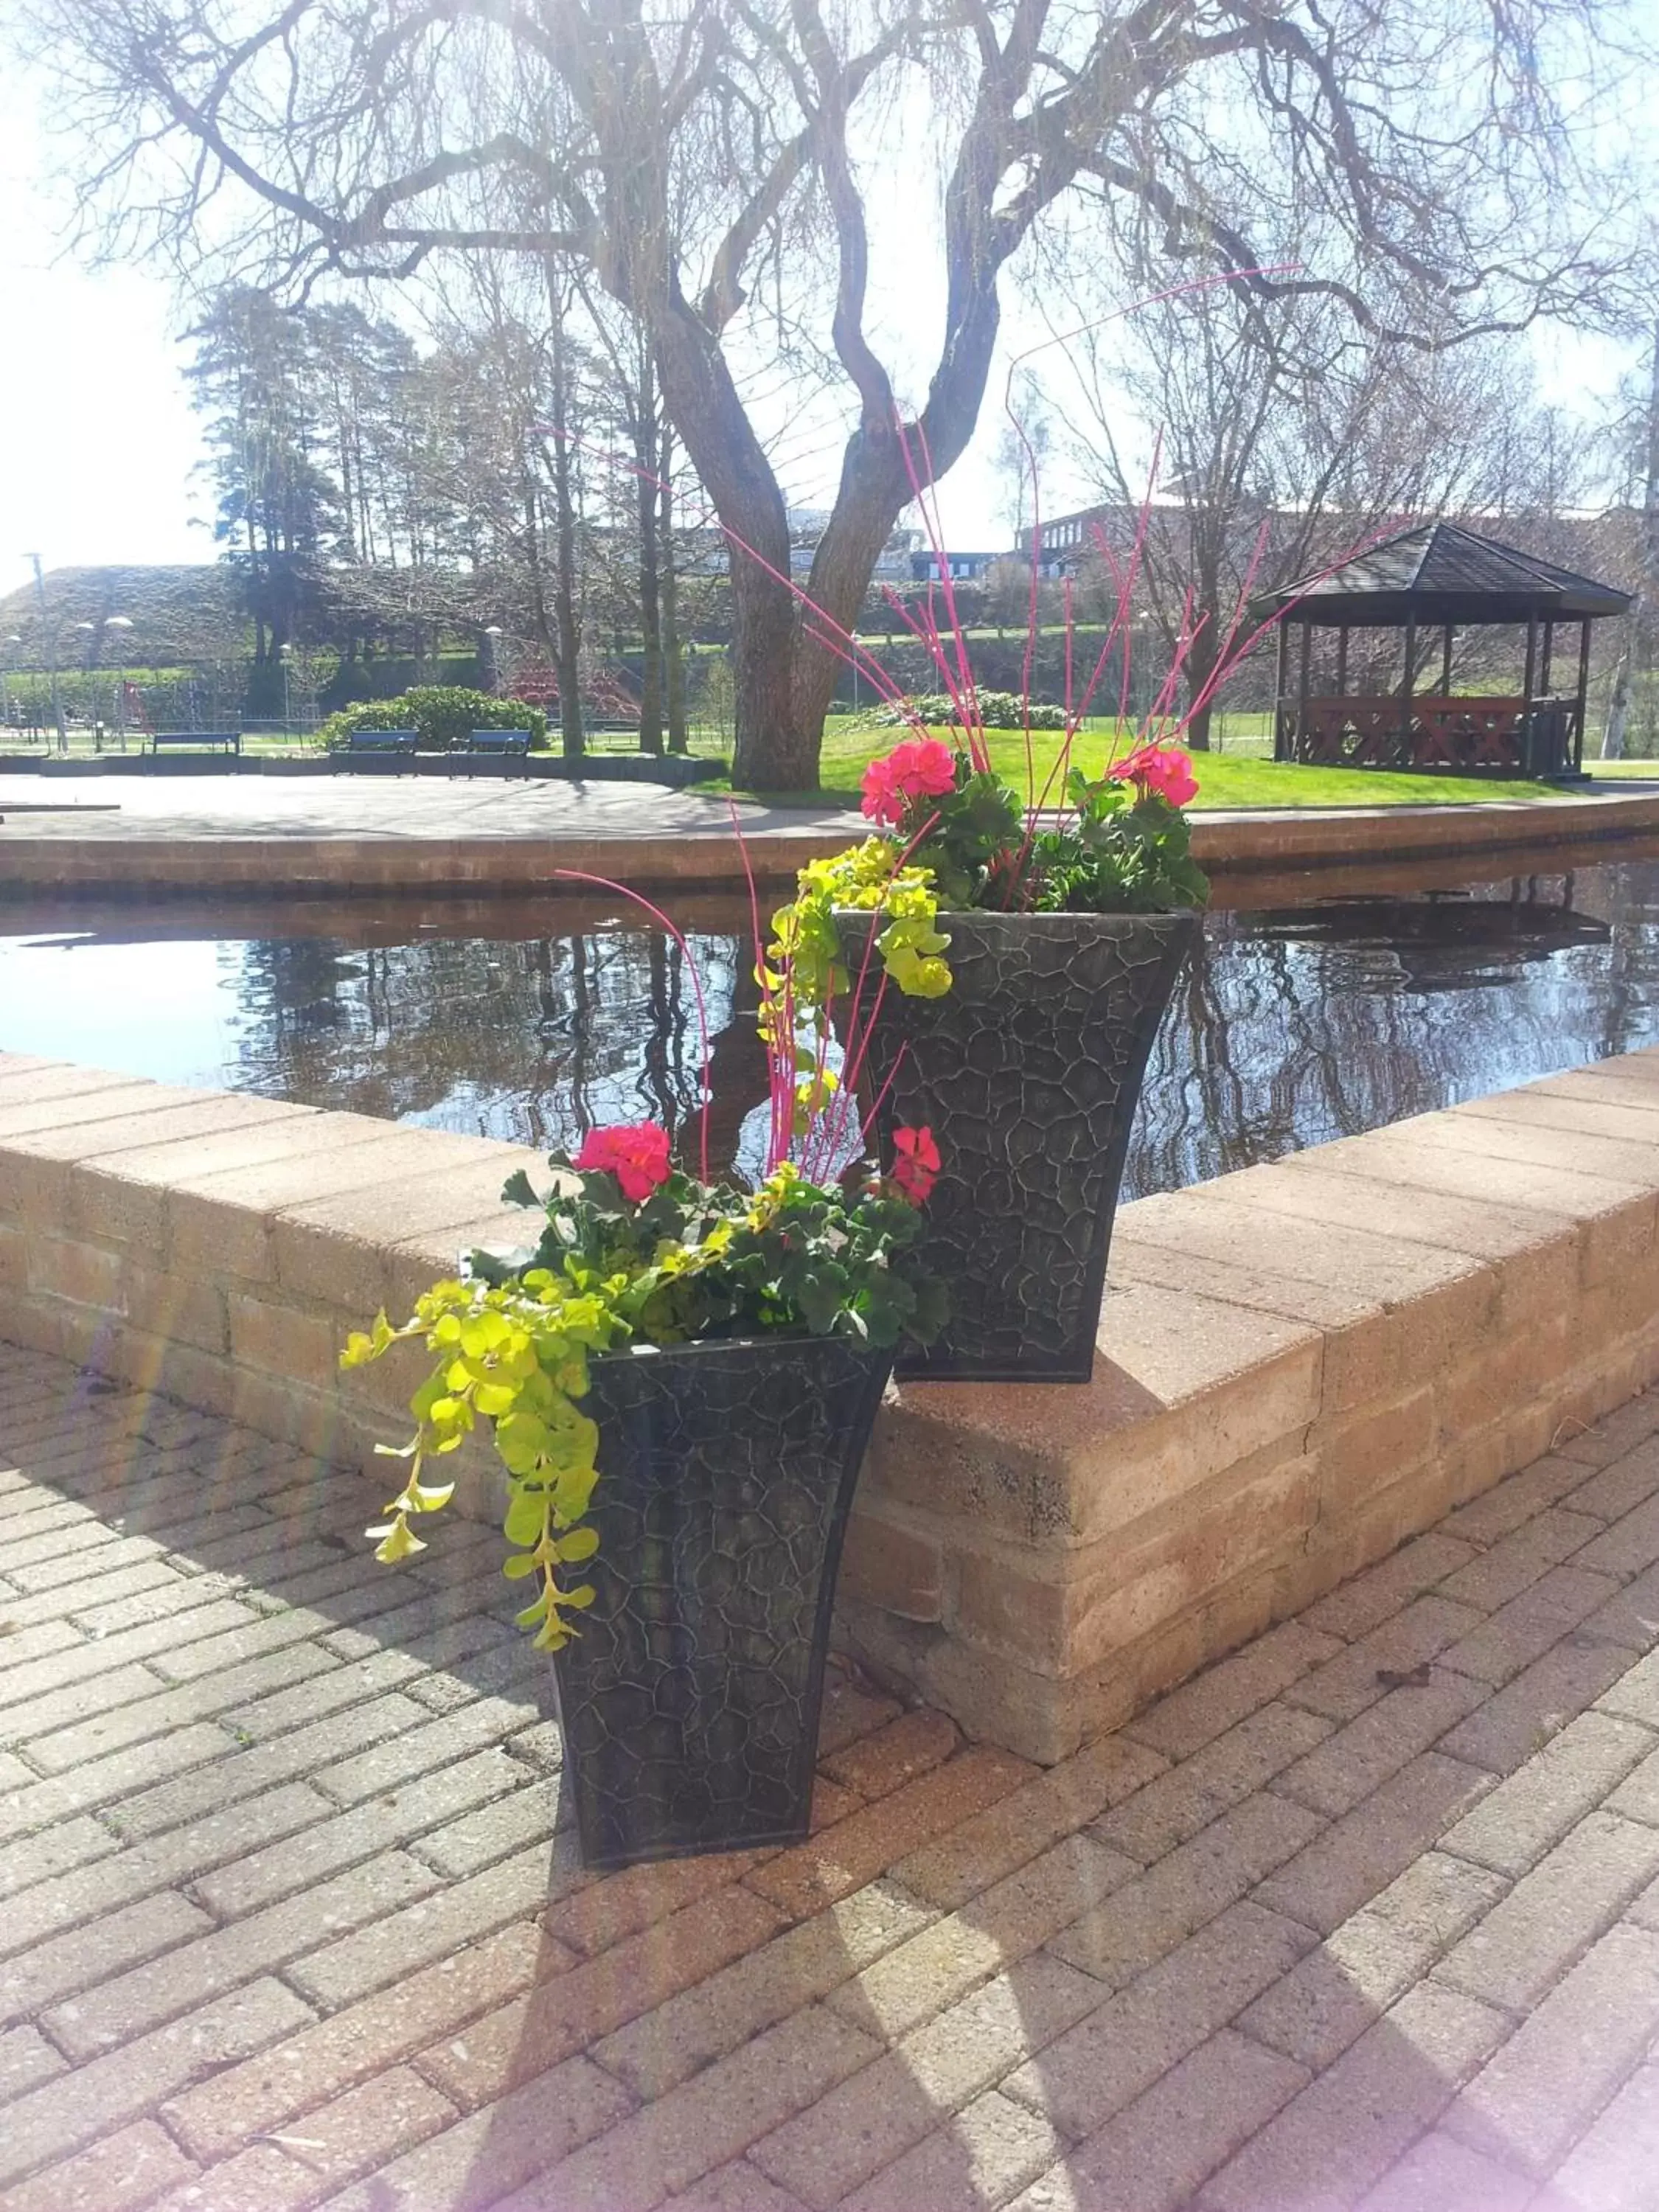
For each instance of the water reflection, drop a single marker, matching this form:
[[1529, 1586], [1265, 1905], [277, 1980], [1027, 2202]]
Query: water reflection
[[1298, 1026], [1298, 1023], [537, 1041]]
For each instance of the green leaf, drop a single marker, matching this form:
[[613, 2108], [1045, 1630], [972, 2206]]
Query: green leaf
[[398, 1542], [526, 1516], [517, 1566], [517, 1191], [579, 1544]]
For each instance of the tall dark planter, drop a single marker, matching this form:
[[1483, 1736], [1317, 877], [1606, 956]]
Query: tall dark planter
[[690, 1701], [1028, 1070]]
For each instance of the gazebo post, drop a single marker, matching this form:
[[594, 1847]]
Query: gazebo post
[[1582, 707], [1445, 665], [1342, 661], [1527, 765], [1302, 681], [1407, 689], [1544, 667], [1282, 748]]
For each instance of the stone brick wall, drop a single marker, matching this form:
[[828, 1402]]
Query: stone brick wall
[[218, 1247], [1300, 1364]]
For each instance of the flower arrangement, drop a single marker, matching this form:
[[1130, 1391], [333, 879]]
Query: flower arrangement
[[953, 833], [633, 1251]]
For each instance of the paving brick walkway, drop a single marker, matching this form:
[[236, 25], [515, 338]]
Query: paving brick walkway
[[1368, 1916], [418, 807]]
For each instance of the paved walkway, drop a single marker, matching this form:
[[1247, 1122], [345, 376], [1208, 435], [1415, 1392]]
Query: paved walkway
[[1368, 1916], [375, 806]]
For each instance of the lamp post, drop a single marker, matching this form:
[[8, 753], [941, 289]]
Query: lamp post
[[494, 633], [49, 628], [121, 624], [12, 645], [285, 654]]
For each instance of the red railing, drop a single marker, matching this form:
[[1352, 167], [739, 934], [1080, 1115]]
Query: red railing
[[1502, 736]]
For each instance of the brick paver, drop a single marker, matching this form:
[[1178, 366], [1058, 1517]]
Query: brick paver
[[1363, 1919]]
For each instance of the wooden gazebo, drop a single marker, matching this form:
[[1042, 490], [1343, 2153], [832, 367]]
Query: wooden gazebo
[[1428, 583]]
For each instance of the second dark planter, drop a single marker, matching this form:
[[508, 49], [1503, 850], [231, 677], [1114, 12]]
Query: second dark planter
[[1028, 1070], [690, 1701]]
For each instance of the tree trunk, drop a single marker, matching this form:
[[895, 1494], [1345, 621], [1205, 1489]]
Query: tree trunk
[[784, 666], [645, 485], [535, 543], [673, 659], [566, 657], [1613, 738], [874, 488], [769, 751], [1198, 668]]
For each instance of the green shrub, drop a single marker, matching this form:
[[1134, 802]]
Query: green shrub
[[444, 715]]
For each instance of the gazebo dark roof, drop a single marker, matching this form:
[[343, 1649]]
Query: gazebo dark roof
[[1440, 572]]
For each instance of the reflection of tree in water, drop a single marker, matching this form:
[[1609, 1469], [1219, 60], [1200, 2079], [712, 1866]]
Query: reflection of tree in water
[[535, 1042], [1278, 1039], [1290, 1030]]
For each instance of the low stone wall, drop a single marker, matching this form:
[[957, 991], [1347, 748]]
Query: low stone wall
[[112, 853], [1302, 1365]]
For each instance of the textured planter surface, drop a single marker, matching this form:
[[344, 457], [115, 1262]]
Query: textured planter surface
[[1028, 1070], [690, 1701]]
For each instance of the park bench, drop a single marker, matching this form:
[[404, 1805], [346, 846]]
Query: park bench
[[498, 745], [214, 740], [400, 744], [512, 744]]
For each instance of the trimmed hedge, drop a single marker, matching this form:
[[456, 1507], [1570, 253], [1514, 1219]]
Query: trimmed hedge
[[443, 715]]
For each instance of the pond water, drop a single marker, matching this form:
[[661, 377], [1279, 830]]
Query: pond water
[[1299, 1023]]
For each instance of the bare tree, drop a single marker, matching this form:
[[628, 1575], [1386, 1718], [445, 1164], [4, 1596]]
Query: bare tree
[[1635, 442], [1285, 434], [718, 162], [636, 414], [560, 434], [512, 375]]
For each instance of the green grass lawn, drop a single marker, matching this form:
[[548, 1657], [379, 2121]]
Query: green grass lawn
[[1225, 779]]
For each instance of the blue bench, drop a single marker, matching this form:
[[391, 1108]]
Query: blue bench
[[515, 744], [401, 744], [216, 740]]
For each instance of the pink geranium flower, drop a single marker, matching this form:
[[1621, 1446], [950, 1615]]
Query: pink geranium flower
[[1161, 772], [919, 768], [637, 1157], [915, 1163]]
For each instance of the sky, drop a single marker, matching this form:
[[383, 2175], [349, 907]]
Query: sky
[[97, 439], [100, 450]]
